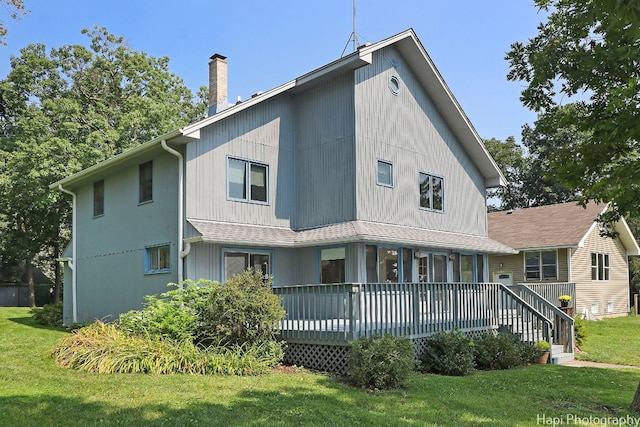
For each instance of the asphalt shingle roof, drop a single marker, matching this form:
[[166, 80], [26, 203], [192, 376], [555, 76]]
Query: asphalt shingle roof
[[560, 225]]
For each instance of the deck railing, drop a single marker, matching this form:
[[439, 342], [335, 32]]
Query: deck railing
[[551, 291], [562, 323], [338, 313]]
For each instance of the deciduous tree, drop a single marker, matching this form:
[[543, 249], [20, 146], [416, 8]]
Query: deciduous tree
[[68, 108], [587, 51]]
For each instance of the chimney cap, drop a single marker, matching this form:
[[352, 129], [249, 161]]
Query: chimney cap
[[217, 55]]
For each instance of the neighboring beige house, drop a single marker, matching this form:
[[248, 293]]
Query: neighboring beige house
[[562, 243]]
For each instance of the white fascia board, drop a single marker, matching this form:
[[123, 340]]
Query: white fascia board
[[350, 62], [547, 248], [626, 237], [116, 159], [438, 90]]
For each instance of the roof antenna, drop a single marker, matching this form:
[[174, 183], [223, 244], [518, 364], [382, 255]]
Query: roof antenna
[[354, 35]]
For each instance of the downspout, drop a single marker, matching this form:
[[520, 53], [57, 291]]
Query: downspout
[[181, 252], [74, 256]]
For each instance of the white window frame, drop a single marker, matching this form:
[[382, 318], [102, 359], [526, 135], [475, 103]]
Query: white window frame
[[247, 181], [431, 177], [601, 260], [380, 162], [155, 251], [541, 266]]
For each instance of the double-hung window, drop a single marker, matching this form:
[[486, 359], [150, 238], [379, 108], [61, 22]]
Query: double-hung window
[[431, 192], [98, 198], [247, 181], [541, 265], [158, 259], [145, 193], [599, 266]]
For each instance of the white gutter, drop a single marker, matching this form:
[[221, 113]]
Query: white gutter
[[72, 264], [181, 252]]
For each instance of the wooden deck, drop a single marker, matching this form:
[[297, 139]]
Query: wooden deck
[[335, 314]]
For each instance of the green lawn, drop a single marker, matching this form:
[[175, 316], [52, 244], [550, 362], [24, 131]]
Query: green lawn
[[35, 392], [615, 340]]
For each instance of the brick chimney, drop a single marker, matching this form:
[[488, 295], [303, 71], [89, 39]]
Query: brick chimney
[[217, 84]]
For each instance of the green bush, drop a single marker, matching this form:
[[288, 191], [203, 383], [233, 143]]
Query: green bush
[[173, 314], [501, 351], [580, 330], [381, 361], [104, 348], [243, 310], [448, 353], [48, 315]]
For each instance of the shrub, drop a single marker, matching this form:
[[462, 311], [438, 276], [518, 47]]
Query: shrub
[[381, 361], [580, 330], [448, 353], [501, 351], [173, 314], [104, 348], [243, 310], [48, 315]]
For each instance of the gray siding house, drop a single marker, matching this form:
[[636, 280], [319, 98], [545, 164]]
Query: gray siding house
[[365, 170]]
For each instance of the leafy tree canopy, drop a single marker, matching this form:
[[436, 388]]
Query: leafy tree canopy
[[15, 8], [588, 48], [64, 109]]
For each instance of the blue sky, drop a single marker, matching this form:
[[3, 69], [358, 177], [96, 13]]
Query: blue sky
[[268, 43]]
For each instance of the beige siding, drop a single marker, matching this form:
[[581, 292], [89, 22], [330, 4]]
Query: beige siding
[[514, 264], [409, 131], [615, 290]]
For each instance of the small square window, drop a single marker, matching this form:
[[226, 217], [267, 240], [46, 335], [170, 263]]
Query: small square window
[[385, 173], [158, 259], [98, 198]]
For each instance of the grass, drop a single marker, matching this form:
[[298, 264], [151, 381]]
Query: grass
[[36, 392], [614, 340]]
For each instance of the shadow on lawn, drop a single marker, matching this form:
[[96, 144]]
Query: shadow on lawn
[[29, 321], [285, 407]]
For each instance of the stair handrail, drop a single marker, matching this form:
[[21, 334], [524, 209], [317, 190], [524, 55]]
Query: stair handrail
[[548, 323], [566, 341]]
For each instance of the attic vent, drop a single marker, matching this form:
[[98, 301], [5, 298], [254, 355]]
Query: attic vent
[[394, 84]]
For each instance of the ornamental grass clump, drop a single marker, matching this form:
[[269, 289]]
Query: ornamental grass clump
[[201, 327], [103, 348]]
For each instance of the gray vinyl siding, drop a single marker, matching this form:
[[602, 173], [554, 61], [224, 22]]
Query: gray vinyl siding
[[289, 266], [615, 290], [111, 248], [409, 131], [325, 157], [264, 134]]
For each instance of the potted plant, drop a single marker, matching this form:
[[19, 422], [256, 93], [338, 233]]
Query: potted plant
[[543, 348], [564, 300]]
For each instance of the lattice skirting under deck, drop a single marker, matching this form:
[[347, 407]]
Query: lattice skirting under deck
[[334, 358]]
